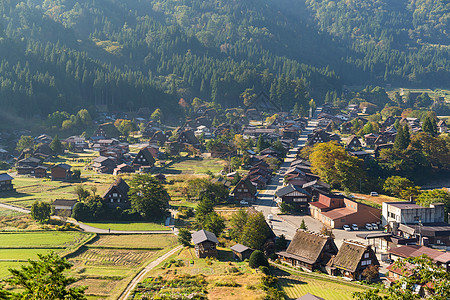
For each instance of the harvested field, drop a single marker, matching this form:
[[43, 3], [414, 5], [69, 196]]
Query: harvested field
[[143, 241], [114, 257]]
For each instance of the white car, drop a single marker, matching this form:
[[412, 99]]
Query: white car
[[243, 202], [355, 227], [369, 226], [374, 194], [374, 226], [346, 227]]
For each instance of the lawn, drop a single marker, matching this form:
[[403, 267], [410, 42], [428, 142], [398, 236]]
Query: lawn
[[130, 226], [5, 265], [44, 239]]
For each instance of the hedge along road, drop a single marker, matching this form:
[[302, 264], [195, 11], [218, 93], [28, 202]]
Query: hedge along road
[[83, 226]]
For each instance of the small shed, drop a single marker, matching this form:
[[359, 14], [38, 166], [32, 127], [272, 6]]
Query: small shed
[[6, 182], [205, 243], [242, 252], [40, 172], [61, 172], [63, 204]]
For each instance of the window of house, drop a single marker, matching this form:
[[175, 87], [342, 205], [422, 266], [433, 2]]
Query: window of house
[[245, 190], [114, 194], [239, 190], [112, 200], [366, 255]]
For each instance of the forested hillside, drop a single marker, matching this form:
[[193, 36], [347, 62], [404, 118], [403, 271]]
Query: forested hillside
[[68, 54]]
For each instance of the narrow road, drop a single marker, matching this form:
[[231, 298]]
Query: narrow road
[[138, 278], [265, 201], [85, 227]]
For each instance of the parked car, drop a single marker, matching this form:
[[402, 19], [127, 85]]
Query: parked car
[[374, 226], [374, 194], [270, 217], [346, 227], [355, 227], [369, 226], [243, 202]]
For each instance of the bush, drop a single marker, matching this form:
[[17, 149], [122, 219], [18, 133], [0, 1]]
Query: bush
[[184, 237], [257, 259], [265, 270]]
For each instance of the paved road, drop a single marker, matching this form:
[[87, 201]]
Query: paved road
[[138, 278], [265, 202], [86, 227]]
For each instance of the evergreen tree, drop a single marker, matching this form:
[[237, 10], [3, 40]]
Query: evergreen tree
[[429, 126], [56, 145], [402, 138]]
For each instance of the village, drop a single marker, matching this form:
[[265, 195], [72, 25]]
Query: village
[[259, 162]]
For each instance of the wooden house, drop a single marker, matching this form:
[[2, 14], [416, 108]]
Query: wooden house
[[245, 190], [353, 143], [104, 164], [262, 103], [294, 195], [61, 172], [242, 252], [144, 158], [442, 126], [205, 243], [63, 204], [309, 250], [352, 259], [188, 137], [117, 195], [107, 131], [6, 183], [319, 136], [370, 139], [123, 168]]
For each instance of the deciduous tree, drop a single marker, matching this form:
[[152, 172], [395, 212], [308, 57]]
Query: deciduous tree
[[148, 197]]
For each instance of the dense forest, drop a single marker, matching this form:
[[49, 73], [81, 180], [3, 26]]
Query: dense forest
[[68, 54]]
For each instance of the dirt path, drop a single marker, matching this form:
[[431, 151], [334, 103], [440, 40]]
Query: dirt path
[[138, 278]]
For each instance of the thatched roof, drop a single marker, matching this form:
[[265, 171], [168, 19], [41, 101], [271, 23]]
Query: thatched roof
[[120, 185], [308, 245], [349, 256]]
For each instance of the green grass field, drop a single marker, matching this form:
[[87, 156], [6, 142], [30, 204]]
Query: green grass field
[[134, 241], [300, 286], [21, 246], [45, 239], [24, 254], [129, 226]]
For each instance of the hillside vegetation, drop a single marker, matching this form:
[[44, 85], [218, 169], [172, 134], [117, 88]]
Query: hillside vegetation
[[67, 54]]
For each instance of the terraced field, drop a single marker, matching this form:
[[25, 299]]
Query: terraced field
[[107, 263], [296, 287], [17, 247]]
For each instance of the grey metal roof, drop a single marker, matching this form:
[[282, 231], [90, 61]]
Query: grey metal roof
[[64, 166], [5, 177], [310, 297], [289, 189], [202, 236], [64, 202], [240, 248]]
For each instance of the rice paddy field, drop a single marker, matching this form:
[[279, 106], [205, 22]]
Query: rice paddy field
[[296, 287], [129, 226], [107, 263], [17, 247]]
